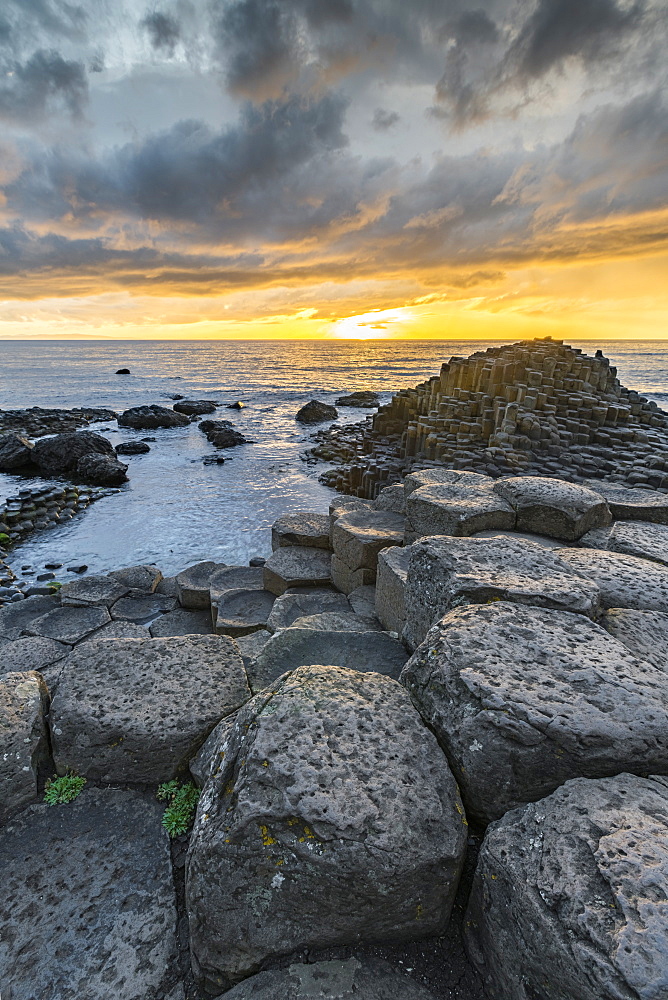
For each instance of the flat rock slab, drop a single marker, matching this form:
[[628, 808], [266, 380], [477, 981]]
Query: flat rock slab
[[527, 536], [301, 529], [391, 498], [296, 566], [633, 504], [14, 618], [359, 536], [295, 647], [522, 699], [344, 505], [338, 621], [317, 601], [91, 590], [348, 979], [137, 710], [119, 630], [363, 599], [446, 572], [23, 740], [391, 587], [553, 507], [569, 895], [250, 645], [243, 611], [623, 581], [144, 577], [633, 538], [89, 905], [434, 477], [645, 633], [142, 608], [193, 584], [234, 578], [333, 819], [69, 624], [31, 653], [182, 622], [453, 509]]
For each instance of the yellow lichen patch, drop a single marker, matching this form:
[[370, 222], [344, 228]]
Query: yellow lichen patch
[[267, 838], [265, 763], [307, 833], [229, 787], [418, 911], [293, 821]]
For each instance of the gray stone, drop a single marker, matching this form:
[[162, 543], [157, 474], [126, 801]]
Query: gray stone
[[301, 529], [195, 407], [240, 612], [31, 653], [90, 590], [14, 618], [295, 647], [568, 900], [15, 452], [168, 586], [344, 505], [553, 507], [633, 538], [342, 979], [623, 581], [435, 477], [635, 505], [645, 633], [364, 398], [338, 621], [69, 624], [291, 606], [315, 412], [528, 536], [103, 470], [182, 622], [23, 739], [62, 453], [391, 587], [193, 585], [363, 600], [132, 448], [142, 608], [347, 580], [251, 644], [391, 498], [137, 710], [359, 536], [89, 907], [446, 572], [296, 566], [213, 750], [522, 699], [144, 578], [333, 820], [119, 630], [234, 578], [454, 509], [149, 417]]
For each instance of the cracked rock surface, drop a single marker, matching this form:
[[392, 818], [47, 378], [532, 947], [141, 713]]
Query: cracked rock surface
[[333, 980], [623, 581], [23, 741]]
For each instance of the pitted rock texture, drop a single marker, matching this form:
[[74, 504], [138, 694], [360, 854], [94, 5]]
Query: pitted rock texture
[[241, 612], [234, 578], [645, 633], [142, 608], [31, 653], [149, 417], [316, 601], [296, 566], [335, 805], [193, 585], [568, 900], [213, 751], [182, 622], [70, 623], [338, 621], [23, 741], [301, 529], [623, 581], [454, 509], [334, 980], [522, 699], [91, 590], [626, 503], [120, 629], [391, 498], [14, 618], [89, 909], [296, 647], [632, 538], [446, 572], [359, 536], [435, 477], [144, 577], [553, 507], [391, 580], [250, 645], [137, 710]]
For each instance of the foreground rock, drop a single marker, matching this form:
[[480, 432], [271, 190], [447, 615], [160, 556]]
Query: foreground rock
[[15, 452], [632, 538], [315, 601], [553, 507], [137, 710], [569, 895], [315, 412], [301, 529], [240, 612], [32, 653], [83, 454], [102, 470], [89, 896], [626, 503], [391, 580], [144, 577], [454, 509], [69, 624], [341, 841], [623, 581], [296, 566], [645, 633], [195, 407], [23, 740], [151, 417], [193, 584], [14, 618], [349, 979], [522, 699], [182, 622]]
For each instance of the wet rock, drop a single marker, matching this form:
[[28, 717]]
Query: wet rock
[[295, 647], [391, 498], [342, 979], [137, 710], [221, 434], [624, 581], [15, 452], [391, 587], [98, 589], [251, 644], [454, 509], [645, 633], [553, 507], [364, 398], [372, 842], [193, 584], [61, 454], [445, 572], [23, 740], [182, 622], [301, 529], [89, 898], [304, 602], [296, 566], [633, 538], [149, 417], [315, 412], [257, 561], [102, 470], [123, 371], [69, 624], [240, 612], [14, 618], [568, 895], [132, 448], [238, 405], [632, 504], [168, 587], [144, 578], [522, 699], [195, 407], [142, 608], [31, 653], [77, 569]]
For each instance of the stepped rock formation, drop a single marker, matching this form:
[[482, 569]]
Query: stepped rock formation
[[535, 407]]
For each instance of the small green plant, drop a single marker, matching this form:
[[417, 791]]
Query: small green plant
[[180, 812], [54, 585], [58, 791], [4, 538]]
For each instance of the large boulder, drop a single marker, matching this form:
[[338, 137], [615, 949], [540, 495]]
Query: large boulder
[[626, 503], [445, 572], [315, 412], [89, 908], [332, 819], [343, 979], [301, 529], [522, 699], [136, 710], [455, 509], [61, 454], [103, 470], [221, 434], [296, 566], [623, 581], [553, 507], [363, 398], [569, 897], [633, 538], [23, 739], [150, 417], [15, 452], [195, 407]]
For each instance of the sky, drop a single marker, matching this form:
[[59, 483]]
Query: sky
[[333, 169]]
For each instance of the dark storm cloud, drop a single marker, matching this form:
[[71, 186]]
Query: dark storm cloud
[[46, 81], [383, 120], [473, 26], [163, 30]]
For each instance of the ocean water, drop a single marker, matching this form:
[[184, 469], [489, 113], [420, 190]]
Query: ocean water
[[175, 510]]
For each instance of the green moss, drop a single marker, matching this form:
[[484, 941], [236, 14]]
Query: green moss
[[180, 812], [58, 791]]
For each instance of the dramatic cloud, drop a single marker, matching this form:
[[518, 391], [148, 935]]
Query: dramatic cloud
[[46, 80], [163, 30]]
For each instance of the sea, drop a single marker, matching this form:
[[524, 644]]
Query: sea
[[175, 510]]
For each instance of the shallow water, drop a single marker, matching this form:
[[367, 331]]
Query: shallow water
[[174, 510]]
